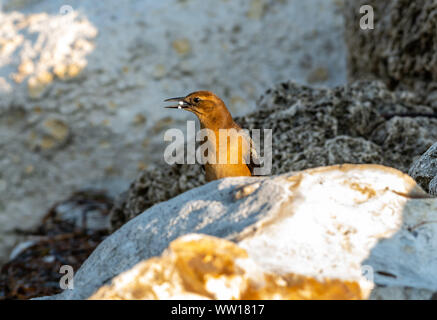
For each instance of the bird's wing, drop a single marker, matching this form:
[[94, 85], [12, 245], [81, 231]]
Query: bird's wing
[[252, 159], [251, 156]]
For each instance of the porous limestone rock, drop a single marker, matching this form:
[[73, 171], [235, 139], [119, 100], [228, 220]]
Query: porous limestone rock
[[311, 128], [367, 224], [205, 267], [424, 170], [402, 47], [101, 70]]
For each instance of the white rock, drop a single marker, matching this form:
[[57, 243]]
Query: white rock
[[364, 223]]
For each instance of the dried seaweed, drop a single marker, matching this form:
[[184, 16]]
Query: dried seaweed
[[34, 272]]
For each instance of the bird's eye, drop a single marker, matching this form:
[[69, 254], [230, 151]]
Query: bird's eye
[[196, 100]]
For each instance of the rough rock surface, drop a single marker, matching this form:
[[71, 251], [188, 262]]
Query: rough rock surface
[[433, 186], [82, 83], [402, 47], [204, 267], [424, 170], [401, 293], [361, 223], [311, 128]]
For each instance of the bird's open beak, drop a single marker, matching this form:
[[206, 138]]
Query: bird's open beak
[[182, 104]]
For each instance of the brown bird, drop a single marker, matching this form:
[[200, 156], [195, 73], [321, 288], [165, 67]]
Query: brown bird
[[212, 113]]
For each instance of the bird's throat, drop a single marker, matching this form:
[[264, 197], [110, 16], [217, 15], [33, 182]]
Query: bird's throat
[[216, 120]]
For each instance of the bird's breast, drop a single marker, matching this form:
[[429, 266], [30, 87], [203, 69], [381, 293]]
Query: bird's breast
[[231, 150], [220, 171]]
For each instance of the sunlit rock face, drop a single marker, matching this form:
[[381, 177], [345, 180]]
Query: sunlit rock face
[[204, 267], [358, 224], [63, 42]]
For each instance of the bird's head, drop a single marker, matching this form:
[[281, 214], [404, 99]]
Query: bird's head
[[209, 108]]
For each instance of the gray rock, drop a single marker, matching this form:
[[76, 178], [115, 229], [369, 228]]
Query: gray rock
[[402, 47], [400, 293], [364, 223], [424, 170], [433, 186], [311, 127]]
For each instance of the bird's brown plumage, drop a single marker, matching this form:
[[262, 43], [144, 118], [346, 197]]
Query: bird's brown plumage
[[214, 115]]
